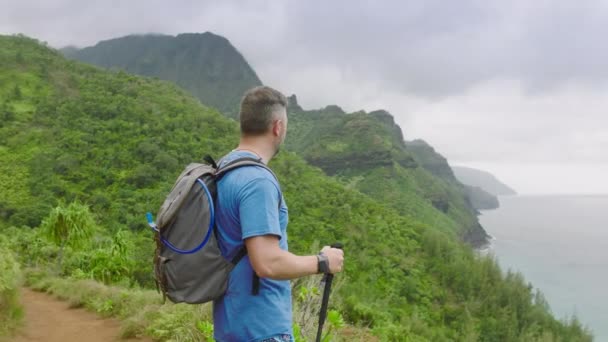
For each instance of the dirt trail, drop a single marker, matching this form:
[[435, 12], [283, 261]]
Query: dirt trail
[[51, 320]]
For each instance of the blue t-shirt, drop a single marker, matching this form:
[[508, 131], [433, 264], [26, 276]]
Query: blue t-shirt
[[248, 205]]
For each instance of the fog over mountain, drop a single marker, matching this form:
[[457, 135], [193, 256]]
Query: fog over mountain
[[484, 180], [516, 88]]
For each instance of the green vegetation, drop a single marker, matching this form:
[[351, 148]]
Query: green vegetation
[[115, 143], [206, 65], [10, 310], [72, 226], [367, 152]]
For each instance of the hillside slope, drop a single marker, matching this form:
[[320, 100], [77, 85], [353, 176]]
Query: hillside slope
[[117, 141]]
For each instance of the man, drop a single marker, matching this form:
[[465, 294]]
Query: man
[[251, 210]]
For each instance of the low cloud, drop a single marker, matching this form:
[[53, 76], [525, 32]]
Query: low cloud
[[517, 82]]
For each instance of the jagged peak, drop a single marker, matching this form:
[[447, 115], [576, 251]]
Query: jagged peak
[[380, 112], [418, 142], [383, 116], [202, 36], [292, 103], [334, 109]]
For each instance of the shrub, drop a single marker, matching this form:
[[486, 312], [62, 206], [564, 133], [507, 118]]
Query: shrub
[[10, 309]]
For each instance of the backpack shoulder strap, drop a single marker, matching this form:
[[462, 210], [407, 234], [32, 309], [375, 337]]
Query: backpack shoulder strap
[[239, 162]]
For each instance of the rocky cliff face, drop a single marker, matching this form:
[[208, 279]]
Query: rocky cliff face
[[474, 198], [435, 163], [480, 199], [476, 236], [361, 161]]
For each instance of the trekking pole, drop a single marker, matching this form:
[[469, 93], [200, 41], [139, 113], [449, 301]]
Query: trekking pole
[[327, 280]]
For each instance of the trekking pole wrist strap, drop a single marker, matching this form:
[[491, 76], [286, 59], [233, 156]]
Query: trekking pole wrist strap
[[322, 263]]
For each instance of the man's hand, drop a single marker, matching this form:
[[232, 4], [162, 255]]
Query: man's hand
[[335, 257]]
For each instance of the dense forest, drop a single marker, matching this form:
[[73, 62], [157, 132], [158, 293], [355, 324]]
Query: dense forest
[[84, 153]]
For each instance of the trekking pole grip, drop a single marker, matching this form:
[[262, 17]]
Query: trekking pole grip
[[330, 276], [337, 245], [326, 281]]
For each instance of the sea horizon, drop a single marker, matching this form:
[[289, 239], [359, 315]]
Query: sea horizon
[[566, 194]]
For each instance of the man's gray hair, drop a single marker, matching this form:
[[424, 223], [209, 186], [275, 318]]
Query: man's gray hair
[[258, 109]]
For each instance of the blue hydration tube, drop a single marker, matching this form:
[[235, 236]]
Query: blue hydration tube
[[209, 230]]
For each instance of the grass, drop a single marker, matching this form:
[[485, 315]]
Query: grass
[[11, 312]]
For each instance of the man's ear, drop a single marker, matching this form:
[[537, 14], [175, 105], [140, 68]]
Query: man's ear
[[276, 128]]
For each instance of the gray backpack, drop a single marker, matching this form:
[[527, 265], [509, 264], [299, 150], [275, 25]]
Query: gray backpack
[[188, 264]]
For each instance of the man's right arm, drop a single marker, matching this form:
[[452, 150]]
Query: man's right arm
[[270, 261], [259, 216]]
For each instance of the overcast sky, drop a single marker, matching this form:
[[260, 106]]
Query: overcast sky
[[519, 88]]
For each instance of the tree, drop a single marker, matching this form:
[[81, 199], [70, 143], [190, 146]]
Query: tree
[[19, 58], [69, 226], [6, 113], [17, 92]]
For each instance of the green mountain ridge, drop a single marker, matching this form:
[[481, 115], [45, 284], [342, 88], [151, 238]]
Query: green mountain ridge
[[116, 142], [367, 151], [205, 64]]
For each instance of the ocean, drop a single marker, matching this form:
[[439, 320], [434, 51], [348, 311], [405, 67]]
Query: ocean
[[560, 245]]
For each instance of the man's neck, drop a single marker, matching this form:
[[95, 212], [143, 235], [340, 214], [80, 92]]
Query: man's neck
[[257, 146]]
